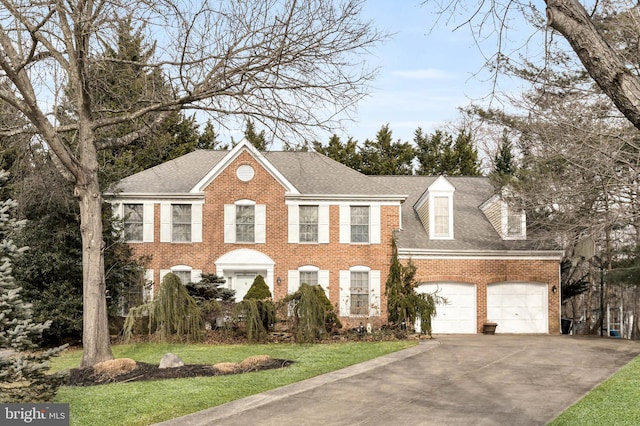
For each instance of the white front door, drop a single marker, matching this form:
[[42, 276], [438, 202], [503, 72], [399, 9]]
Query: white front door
[[242, 282]]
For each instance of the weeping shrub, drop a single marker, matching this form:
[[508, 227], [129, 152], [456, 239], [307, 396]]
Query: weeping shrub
[[173, 312], [256, 311], [312, 312]]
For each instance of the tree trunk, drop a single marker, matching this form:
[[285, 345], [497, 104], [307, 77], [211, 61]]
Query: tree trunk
[[602, 63], [95, 326]]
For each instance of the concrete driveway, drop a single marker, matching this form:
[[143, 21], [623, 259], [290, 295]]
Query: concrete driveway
[[450, 380]]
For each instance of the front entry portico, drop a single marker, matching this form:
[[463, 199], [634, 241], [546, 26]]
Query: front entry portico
[[240, 267]]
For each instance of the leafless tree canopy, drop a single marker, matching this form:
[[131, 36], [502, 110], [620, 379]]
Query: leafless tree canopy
[[292, 65], [607, 55]]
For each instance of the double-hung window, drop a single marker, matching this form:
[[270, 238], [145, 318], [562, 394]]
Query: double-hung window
[[359, 293], [181, 222], [309, 277], [359, 224], [441, 216], [133, 222], [245, 223], [308, 224], [514, 223]]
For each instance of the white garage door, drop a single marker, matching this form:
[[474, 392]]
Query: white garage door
[[518, 307], [458, 316]]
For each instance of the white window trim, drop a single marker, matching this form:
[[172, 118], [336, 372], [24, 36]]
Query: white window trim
[[374, 223], [504, 213], [166, 221], [432, 222], [196, 274], [345, 291], [293, 222], [260, 222], [293, 282], [147, 219]]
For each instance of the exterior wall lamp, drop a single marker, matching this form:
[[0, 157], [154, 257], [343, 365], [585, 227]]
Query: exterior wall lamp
[[554, 289]]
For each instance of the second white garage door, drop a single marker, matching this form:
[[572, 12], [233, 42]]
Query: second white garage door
[[458, 316], [518, 307]]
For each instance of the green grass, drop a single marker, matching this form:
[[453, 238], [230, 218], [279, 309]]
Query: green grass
[[616, 401], [142, 403]]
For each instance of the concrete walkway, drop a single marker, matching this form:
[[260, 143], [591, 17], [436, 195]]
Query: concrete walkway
[[450, 380]]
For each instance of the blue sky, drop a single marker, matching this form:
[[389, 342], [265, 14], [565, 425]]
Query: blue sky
[[426, 72]]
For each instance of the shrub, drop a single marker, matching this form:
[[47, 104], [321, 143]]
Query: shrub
[[259, 290], [173, 312], [313, 314]]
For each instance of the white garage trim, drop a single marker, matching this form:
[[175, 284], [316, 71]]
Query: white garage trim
[[458, 315], [518, 307]]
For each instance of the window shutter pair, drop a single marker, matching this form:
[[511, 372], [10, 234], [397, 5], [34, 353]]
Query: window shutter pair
[[165, 223], [345, 293], [374, 224], [260, 223], [294, 224]]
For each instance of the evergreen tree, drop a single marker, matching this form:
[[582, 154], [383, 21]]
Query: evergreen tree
[[466, 156], [503, 162], [404, 305], [345, 153], [50, 272], [438, 154], [433, 152], [256, 310], [382, 156], [257, 139], [312, 313], [23, 368]]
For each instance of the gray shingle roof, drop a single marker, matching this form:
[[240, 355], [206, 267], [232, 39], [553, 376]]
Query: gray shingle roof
[[472, 231], [314, 174], [309, 172], [176, 176]]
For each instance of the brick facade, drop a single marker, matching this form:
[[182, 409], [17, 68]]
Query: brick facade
[[265, 189], [334, 258], [485, 272]]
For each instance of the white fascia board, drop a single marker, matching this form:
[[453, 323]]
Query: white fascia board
[[392, 199], [155, 196], [557, 255], [244, 144]]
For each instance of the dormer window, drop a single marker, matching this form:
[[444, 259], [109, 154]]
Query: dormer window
[[441, 216], [509, 222], [514, 225], [435, 209]]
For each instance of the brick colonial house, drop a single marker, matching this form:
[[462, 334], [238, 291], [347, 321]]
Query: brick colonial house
[[297, 217]]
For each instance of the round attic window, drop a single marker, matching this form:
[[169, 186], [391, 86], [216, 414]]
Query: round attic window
[[245, 173]]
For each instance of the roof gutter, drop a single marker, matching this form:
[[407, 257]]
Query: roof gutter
[[407, 253], [347, 197], [154, 196]]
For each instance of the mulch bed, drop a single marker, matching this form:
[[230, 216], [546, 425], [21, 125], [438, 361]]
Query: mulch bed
[[144, 371]]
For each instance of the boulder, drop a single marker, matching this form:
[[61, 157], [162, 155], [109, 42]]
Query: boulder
[[170, 360]]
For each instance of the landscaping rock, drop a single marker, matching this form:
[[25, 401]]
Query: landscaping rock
[[170, 360]]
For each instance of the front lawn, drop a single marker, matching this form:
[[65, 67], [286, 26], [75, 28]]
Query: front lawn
[[143, 403], [615, 401]]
